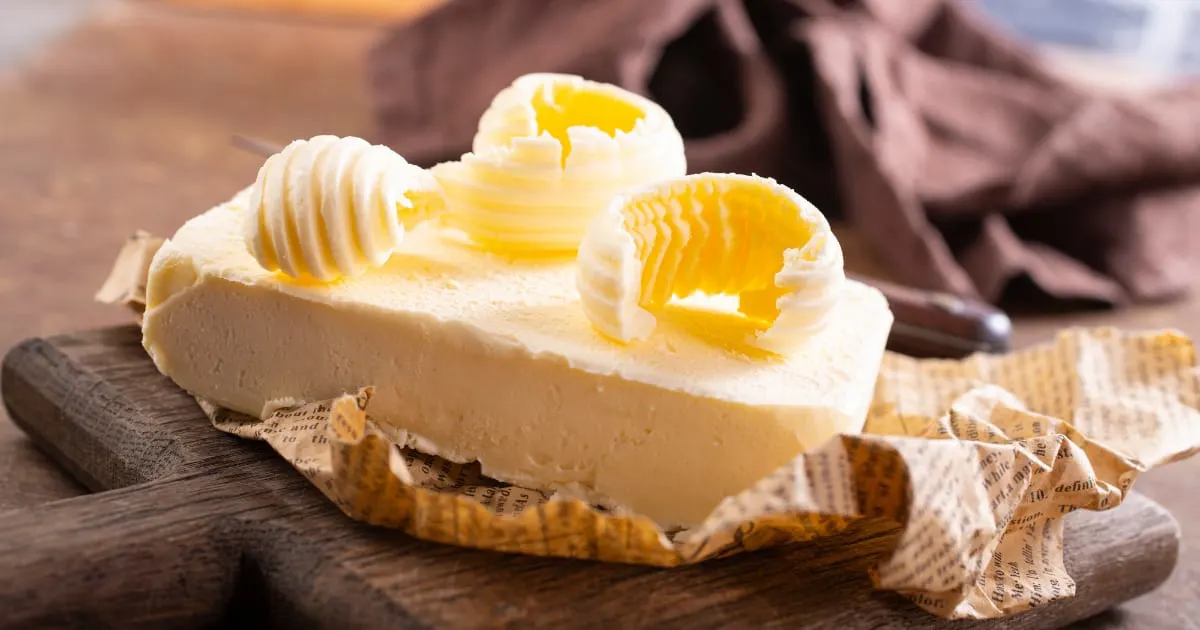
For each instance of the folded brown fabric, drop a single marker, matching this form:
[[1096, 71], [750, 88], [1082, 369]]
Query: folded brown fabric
[[964, 163]]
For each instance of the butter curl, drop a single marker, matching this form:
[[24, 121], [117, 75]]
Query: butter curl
[[329, 207], [550, 152], [715, 234]]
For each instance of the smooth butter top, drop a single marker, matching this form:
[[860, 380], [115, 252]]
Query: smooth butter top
[[700, 345]]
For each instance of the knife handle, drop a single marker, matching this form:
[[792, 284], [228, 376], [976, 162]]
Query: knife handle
[[934, 324]]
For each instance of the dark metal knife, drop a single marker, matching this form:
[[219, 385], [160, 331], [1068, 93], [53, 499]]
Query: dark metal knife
[[927, 323], [933, 324]]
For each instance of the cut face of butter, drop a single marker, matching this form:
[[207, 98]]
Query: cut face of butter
[[549, 154], [491, 360]]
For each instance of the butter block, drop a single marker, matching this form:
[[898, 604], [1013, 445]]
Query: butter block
[[479, 357]]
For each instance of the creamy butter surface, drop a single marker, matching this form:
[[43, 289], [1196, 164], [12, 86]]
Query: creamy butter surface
[[484, 358]]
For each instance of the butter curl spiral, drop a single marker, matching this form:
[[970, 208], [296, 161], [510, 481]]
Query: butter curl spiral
[[329, 207], [716, 234], [549, 153]]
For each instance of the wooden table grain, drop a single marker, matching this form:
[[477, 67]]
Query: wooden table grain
[[123, 123]]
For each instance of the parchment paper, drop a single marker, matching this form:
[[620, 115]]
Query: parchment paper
[[126, 283], [976, 460]]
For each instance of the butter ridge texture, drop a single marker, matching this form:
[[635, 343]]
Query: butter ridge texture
[[550, 152], [329, 207], [717, 234]]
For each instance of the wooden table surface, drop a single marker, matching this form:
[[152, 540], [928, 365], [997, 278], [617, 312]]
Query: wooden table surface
[[123, 121]]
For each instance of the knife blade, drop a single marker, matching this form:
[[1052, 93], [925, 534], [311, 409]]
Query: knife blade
[[934, 324]]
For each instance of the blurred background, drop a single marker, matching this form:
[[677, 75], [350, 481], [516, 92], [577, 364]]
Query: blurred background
[[1043, 155], [1153, 40]]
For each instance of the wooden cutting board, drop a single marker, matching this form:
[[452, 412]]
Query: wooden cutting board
[[190, 528]]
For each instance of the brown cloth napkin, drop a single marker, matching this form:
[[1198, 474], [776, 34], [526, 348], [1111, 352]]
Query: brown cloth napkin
[[965, 164]]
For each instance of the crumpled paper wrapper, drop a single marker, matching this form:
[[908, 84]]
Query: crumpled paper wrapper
[[126, 283], [976, 460]]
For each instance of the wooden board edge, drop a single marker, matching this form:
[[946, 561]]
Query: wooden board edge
[[52, 399]]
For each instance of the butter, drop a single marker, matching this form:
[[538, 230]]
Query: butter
[[549, 154], [738, 235], [478, 357], [330, 207]]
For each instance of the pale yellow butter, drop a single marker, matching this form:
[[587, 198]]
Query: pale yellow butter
[[549, 154], [492, 360], [715, 233], [328, 207]]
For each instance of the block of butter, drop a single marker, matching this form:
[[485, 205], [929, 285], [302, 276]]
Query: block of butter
[[478, 357]]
